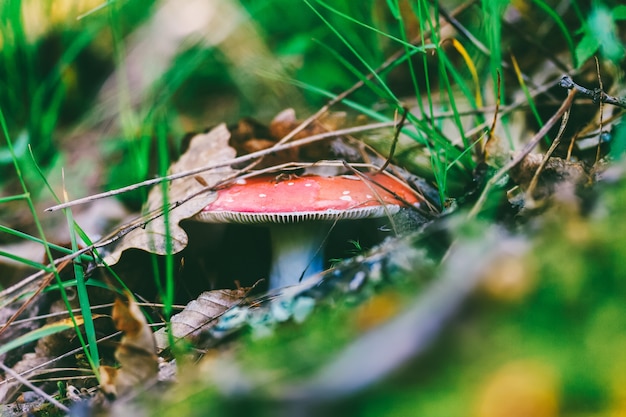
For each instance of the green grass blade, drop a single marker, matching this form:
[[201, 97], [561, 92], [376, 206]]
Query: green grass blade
[[402, 41], [83, 299], [24, 261], [34, 335], [39, 227], [388, 93], [13, 198]]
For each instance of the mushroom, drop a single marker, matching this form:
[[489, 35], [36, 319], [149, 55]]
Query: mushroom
[[299, 212]]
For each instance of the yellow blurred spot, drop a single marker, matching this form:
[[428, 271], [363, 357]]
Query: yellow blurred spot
[[618, 392], [522, 6], [509, 278], [376, 311], [39, 17], [525, 388]]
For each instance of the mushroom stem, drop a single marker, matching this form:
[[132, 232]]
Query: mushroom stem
[[297, 252]]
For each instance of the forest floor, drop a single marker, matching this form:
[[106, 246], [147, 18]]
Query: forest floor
[[490, 285]]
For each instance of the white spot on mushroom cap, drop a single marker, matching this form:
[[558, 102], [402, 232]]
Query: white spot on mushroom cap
[[290, 183], [262, 195], [346, 192], [345, 198], [241, 181], [308, 184]]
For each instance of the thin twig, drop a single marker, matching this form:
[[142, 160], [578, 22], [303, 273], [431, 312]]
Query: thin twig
[[601, 110], [597, 95], [394, 142], [535, 180], [34, 388], [48, 278], [520, 156], [367, 181], [30, 279], [492, 129], [240, 159], [43, 365]]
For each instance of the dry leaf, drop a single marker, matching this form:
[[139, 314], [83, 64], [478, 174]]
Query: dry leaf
[[286, 121], [199, 313], [204, 149], [136, 353]]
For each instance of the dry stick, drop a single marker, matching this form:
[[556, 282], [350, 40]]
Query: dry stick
[[394, 142], [34, 388], [570, 148], [492, 129], [597, 95], [601, 111], [520, 156], [240, 159], [367, 182], [49, 277], [64, 314], [26, 281], [535, 180]]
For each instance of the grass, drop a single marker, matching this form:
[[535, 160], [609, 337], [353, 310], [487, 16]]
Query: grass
[[48, 97]]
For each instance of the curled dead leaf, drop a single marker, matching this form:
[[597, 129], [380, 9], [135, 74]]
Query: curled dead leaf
[[204, 149], [136, 353]]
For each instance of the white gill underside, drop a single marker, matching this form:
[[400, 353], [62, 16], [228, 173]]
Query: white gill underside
[[302, 216]]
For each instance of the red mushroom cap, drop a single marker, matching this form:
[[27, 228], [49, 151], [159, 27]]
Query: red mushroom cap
[[265, 199]]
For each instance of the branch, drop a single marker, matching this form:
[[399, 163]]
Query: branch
[[597, 95]]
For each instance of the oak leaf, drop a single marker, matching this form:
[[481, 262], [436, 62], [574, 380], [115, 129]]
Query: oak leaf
[[204, 149], [200, 314]]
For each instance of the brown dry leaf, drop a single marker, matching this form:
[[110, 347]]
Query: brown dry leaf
[[286, 121], [199, 314], [136, 353], [204, 149]]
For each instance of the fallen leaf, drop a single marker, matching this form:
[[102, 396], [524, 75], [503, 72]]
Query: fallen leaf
[[286, 121], [204, 149], [199, 314], [136, 353]]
